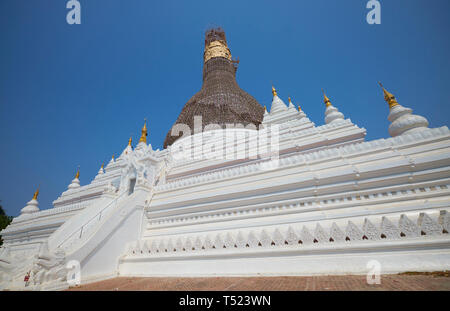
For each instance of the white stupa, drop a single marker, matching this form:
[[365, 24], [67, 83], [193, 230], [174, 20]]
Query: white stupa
[[111, 162], [277, 103], [32, 205], [128, 150], [332, 114], [294, 198], [76, 181], [301, 112], [291, 105], [150, 213], [403, 121], [280, 113], [142, 144], [101, 171]]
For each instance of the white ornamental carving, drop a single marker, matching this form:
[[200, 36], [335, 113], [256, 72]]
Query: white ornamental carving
[[407, 227], [428, 225], [49, 267]]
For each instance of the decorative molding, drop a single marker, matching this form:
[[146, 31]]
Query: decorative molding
[[376, 196], [293, 236], [314, 156]]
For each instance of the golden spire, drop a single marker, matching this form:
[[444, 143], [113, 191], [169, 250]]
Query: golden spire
[[274, 92], [144, 133], [36, 193], [112, 158], [129, 142], [289, 99], [299, 109], [102, 165], [326, 100], [77, 175], [265, 108], [388, 97]]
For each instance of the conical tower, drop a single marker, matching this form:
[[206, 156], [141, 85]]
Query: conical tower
[[220, 100]]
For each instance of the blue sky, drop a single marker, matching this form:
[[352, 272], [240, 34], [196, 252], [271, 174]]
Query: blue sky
[[73, 94]]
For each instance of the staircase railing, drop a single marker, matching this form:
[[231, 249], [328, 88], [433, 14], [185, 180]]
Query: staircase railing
[[84, 229]]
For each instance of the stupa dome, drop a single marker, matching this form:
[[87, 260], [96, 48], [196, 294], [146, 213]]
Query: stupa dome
[[220, 100]]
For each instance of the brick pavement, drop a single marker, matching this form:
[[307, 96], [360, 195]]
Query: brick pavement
[[415, 282]]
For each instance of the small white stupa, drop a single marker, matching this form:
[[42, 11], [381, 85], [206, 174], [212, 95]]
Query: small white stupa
[[403, 121], [128, 150], [76, 181], [111, 162], [101, 171], [32, 206], [301, 112], [277, 103], [291, 105], [280, 113], [332, 114], [142, 144]]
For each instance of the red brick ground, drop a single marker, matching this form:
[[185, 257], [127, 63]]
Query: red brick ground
[[322, 283]]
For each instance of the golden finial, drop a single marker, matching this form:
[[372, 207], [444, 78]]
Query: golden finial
[[326, 100], [289, 99], [112, 157], [299, 109], [36, 193], [265, 108], [274, 92], [77, 175], [129, 142], [102, 165], [143, 138], [388, 97]]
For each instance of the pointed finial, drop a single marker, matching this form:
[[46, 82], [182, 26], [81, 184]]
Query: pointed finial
[[265, 108], [143, 138], [77, 175], [299, 109], [289, 99], [102, 165], [274, 92], [129, 142], [36, 193], [388, 97], [112, 159], [326, 100]]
